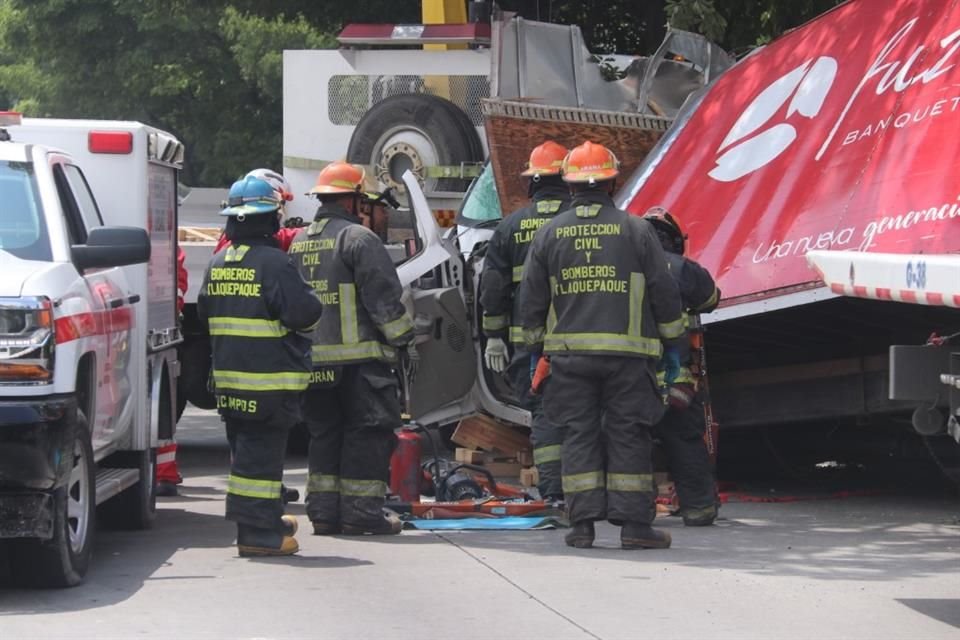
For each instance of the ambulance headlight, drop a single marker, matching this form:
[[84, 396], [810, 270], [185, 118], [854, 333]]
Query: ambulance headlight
[[26, 340]]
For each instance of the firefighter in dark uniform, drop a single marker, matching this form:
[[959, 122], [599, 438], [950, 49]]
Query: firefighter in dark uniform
[[599, 300], [682, 428], [502, 271], [352, 407], [255, 305]]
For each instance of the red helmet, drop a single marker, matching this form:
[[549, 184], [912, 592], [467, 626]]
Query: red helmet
[[668, 229], [545, 160]]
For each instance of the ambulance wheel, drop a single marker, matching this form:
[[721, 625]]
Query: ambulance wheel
[[135, 507], [415, 131], [63, 560]]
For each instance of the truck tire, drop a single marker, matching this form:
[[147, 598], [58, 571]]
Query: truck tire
[[135, 507], [195, 368], [415, 131], [63, 560]]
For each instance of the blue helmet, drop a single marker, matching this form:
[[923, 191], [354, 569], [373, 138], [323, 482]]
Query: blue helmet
[[251, 196]]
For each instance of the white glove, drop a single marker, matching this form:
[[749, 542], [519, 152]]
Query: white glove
[[495, 355]]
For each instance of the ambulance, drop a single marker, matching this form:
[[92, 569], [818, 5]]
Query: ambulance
[[88, 334]]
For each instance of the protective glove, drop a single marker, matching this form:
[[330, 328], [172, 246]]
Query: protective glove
[[410, 361], [495, 355], [671, 365]]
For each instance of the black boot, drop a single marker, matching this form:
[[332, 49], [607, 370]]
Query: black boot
[[390, 524], [254, 542], [636, 535], [581, 535], [321, 528], [699, 517]]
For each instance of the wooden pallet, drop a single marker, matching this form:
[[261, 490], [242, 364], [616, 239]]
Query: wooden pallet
[[198, 234], [483, 432]]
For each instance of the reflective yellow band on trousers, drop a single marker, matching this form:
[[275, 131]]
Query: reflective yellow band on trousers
[[246, 381], [370, 350], [548, 453], [363, 488], [396, 328], [583, 482], [323, 483], [246, 327], [613, 342], [252, 488], [516, 335], [494, 323], [641, 482]]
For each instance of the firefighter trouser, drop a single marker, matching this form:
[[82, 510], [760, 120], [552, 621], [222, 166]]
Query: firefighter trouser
[[606, 406], [681, 436], [256, 472], [351, 439], [547, 438]]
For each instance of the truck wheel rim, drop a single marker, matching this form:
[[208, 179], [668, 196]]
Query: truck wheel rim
[[78, 497], [403, 148]]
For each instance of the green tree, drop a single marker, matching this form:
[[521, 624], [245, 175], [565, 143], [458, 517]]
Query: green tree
[[631, 26], [211, 72], [208, 72]]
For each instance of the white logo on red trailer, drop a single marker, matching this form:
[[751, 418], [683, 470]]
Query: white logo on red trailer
[[763, 131]]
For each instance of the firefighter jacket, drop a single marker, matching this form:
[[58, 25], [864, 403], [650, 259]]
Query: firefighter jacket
[[596, 282], [352, 274], [503, 264], [698, 294], [255, 304], [698, 291]]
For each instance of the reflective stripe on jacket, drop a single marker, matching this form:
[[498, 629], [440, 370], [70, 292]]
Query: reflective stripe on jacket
[[503, 263], [596, 282], [698, 294], [254, 303], [354, 277]]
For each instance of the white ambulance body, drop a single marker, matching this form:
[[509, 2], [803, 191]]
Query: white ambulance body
[[88, 334]]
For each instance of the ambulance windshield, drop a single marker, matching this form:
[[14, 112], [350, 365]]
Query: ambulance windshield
[[22, 229]]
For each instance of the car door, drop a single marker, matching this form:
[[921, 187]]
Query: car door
[[111, 301], [433, 281]]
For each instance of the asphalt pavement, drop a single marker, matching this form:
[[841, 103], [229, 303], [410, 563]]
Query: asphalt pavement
[[885, 566]]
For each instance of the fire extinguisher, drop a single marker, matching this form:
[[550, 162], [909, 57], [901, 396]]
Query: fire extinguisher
[[405, 466]]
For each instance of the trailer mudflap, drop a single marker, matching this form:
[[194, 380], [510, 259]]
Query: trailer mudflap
[[915, 372]]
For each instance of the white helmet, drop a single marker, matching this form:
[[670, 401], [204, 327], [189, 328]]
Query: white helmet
[[275, 180]]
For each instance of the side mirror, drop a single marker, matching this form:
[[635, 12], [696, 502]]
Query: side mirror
[[112, 247]]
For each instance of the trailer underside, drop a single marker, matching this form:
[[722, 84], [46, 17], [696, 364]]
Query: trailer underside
[[826, 359]]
